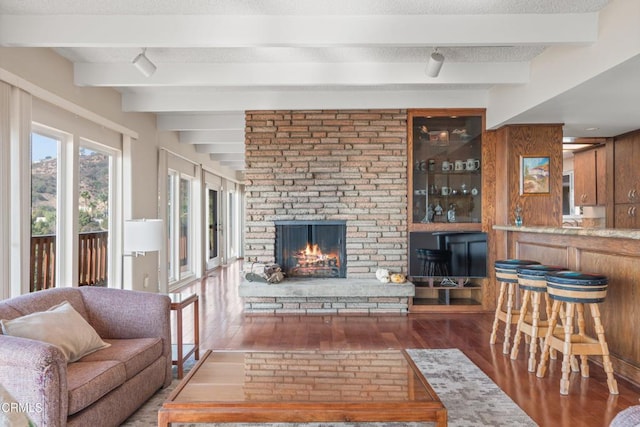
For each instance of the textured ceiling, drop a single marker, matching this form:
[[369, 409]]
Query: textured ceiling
[[296, 7]]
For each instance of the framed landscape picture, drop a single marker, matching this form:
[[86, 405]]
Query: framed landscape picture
[[534, 175]]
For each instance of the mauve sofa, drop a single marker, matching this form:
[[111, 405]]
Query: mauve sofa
[[104, 387]]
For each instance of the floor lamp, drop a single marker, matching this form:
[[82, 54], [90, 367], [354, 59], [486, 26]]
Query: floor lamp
[[141, 236]]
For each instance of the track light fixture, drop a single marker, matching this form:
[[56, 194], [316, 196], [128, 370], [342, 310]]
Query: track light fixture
[[434, 64], [143, 64]]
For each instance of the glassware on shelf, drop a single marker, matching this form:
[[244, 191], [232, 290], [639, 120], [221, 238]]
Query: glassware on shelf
[[429, 216], [439, 170], [451, 213], [438, 209]]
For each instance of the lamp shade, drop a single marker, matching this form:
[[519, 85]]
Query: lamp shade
[[142, 235], [434, 64]]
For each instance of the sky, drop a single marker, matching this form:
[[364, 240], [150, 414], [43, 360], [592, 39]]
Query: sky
[[42, 147]]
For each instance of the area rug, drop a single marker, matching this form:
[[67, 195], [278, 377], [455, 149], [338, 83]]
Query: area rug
[[471, 398]]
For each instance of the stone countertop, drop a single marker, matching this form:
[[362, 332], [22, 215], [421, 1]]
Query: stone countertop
[[614, 233], [296, 287]]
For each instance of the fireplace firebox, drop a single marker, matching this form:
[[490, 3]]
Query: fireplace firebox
[[312, 248]]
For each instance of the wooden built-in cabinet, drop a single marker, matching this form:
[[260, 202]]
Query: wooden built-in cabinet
[[445, 198], [627, 215], [445, 169], [589, 175], [626, 175]]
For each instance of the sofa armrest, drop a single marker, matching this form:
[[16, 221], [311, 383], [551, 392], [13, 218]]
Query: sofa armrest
[[122, 314], [35, 374]]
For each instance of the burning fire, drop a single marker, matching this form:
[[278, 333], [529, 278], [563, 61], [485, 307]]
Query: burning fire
[[312, 256], [312, 251]]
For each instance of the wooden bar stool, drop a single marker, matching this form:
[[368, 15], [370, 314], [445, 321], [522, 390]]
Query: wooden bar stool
[[574, 290], [532, 281], [507, 275]]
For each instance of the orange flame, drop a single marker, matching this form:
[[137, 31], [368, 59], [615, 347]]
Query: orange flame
[[313, 251]]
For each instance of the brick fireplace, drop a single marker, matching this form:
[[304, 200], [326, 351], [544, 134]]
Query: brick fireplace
[[329, 165], [311, 248]]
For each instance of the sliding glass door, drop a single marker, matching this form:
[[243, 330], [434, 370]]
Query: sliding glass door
[[213, 227]]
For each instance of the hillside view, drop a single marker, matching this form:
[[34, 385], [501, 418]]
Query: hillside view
[[93, 192]]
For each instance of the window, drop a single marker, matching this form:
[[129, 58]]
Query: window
[[73, 193], [94, 222], [44, 209], [180, 226], [185, 226], [231, 209], [212, 223], [171, 253], [234, 221], [568, 207]]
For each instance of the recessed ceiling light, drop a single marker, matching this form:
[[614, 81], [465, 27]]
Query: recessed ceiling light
[[592, 129]]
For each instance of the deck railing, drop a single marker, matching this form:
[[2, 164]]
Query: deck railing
[[43, 262], [92, 265]]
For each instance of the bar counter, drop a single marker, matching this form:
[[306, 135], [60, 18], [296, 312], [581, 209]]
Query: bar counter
[[615, 233], [614, 253]]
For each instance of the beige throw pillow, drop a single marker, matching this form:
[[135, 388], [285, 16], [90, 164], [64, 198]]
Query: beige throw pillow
[[62, 326]]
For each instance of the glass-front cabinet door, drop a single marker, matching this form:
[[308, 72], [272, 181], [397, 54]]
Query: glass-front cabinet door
[[445, 169]]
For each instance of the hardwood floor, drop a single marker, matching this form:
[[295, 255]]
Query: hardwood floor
[[224, 326]]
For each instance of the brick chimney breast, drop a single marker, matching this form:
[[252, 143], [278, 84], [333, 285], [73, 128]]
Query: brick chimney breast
[[330, 165]]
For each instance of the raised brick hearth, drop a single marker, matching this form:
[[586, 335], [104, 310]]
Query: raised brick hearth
[[326, 296], [330, 165]]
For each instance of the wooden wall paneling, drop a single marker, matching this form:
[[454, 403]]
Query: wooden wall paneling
[[502, 149], [546, 254], [618, 311], [489, 208], [543, 140]]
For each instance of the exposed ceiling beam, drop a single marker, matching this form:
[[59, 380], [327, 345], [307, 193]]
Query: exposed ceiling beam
[[294, 30], [201, 121], [238, 166], [212, 99], [300, 74], [238, 157], [220, 148], [212, 136]]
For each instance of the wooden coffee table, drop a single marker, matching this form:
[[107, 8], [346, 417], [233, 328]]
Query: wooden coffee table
[[303, 386]]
